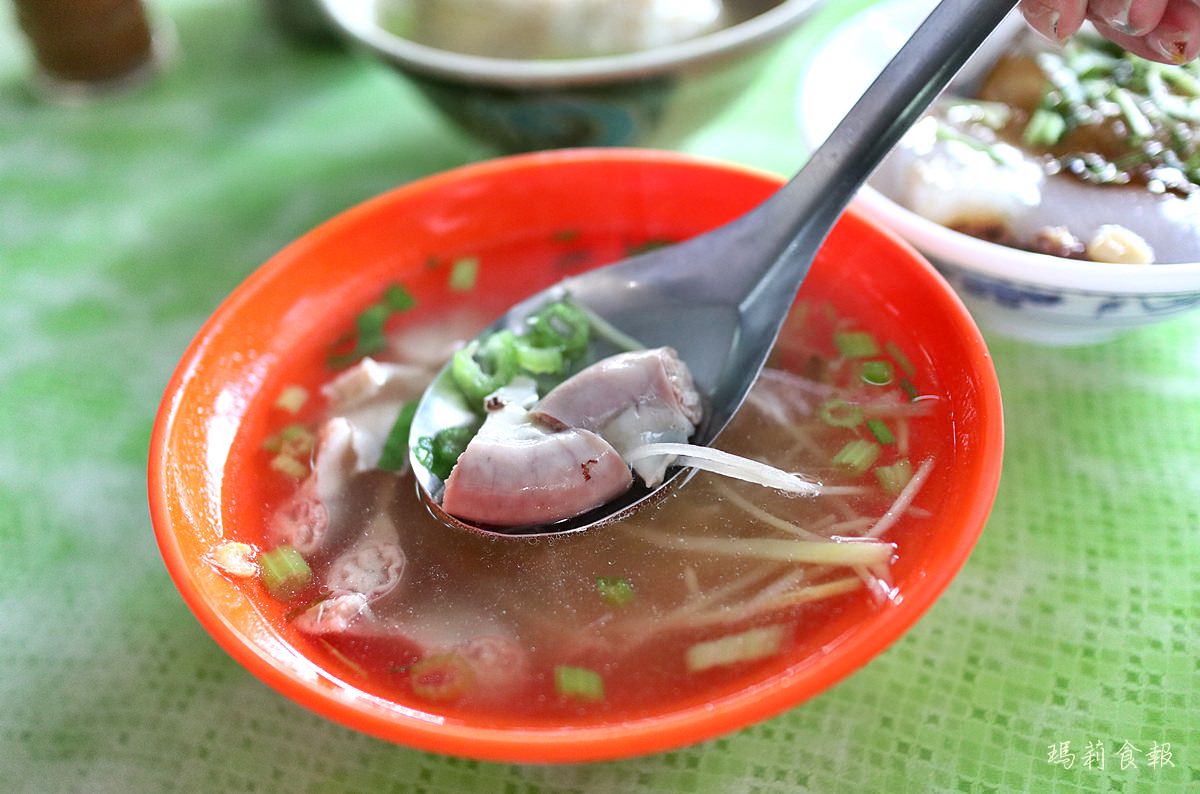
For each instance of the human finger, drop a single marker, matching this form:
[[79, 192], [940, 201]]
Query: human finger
[[1055, 19], [1135, 44], [1130, 17], [1176, 38]]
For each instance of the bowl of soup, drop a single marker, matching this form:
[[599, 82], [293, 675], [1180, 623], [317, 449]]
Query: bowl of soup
[[1053, 186], [525, 75], [288, 518]]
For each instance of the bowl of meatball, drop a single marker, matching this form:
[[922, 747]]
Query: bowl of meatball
[[525, 75], [1056, 188]]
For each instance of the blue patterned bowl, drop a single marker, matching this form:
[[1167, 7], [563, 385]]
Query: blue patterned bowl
[[1034, 297], [651, 97], [1041, 298]]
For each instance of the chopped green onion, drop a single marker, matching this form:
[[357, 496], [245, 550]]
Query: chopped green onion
[[1045, 128], [443, 677], [295, 440], [877, 373], [579, 683], [395, 448], [947, 133], [1087, 62], [398, 299], [288, 465], [463, 274], [560, 325], [370, 323], [898, 356], [748, 646], [882, 433], [858, 455], [893, 478], [284, 572], [855, 344], [1182, 79], [422, 450], [839, 413], [480, 369], [442, 451], [1139, 126], [909, 389], [292, 399], [566, 235], [617, 592], [1063, 79], [538, 360]]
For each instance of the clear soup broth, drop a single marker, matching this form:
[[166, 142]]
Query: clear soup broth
[[712, 589]]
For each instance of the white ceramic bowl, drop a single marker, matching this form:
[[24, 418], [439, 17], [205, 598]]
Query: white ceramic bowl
[[1016, 293], [653, 97]]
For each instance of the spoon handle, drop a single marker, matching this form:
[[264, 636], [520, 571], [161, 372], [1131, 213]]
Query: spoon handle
[[802, 213], [765, 255]]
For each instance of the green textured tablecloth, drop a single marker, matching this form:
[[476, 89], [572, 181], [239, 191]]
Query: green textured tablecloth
[[122, 225]]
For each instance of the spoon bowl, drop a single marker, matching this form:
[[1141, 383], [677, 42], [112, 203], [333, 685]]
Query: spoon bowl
[[720, 299]]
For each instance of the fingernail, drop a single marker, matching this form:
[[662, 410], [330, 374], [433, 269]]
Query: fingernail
[[1120, 19], [1174, 47], [1044, 20]]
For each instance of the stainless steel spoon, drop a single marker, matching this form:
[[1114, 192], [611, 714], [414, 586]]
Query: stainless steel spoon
[[721, 298]]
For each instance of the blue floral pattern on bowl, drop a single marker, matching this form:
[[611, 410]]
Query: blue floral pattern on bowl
[[1058, 316]]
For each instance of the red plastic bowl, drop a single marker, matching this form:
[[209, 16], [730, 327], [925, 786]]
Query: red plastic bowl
[[200, 486]]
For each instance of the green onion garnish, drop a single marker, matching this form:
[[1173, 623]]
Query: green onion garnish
[[370, 323], [395, 448], [877, 373], [1139, 126], [893, 478], [882, 433], [1045, 128], [617, 592], [538, 360], [444, 677], [566, 235], [398, 299], [463, 274], [909, 389], [839, 413], [898, 356], [284, 572], [1182, 79], [947, 133], [858, 455], [1063, 79], [442, 451], [560, 325], [579, 683], [292, 399], [289, 466], [295, 440], [480, 369], [855, 344]]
